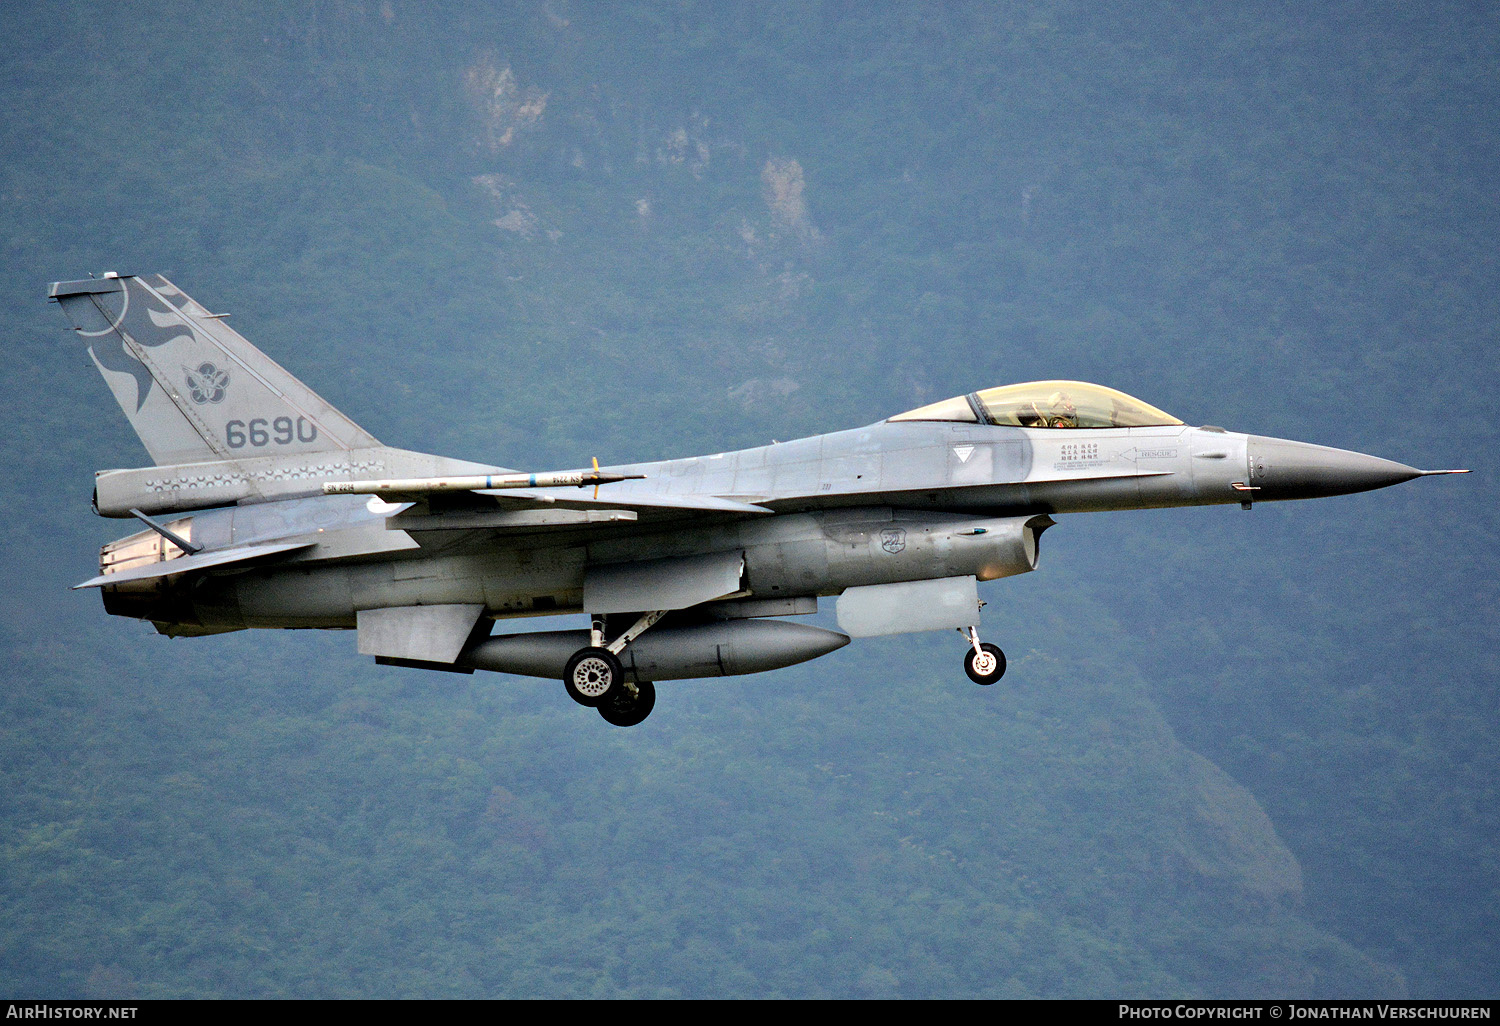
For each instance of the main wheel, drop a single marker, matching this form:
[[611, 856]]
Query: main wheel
[[623, 709], [985, 666], [592, 674]]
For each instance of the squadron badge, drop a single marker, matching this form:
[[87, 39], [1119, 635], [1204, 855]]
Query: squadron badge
[[207, 384]]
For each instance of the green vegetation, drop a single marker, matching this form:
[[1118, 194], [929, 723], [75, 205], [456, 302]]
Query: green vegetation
[[1236, 754]]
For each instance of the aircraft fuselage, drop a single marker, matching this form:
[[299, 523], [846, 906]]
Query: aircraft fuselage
[[885, 503], [268, 507]]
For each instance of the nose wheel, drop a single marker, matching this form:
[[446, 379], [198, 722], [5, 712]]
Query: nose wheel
[[984, 663]]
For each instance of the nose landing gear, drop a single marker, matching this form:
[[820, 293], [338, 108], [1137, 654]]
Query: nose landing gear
[[984, 663]]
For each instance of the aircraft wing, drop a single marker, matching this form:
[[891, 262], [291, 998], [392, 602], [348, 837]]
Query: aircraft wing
[[558, 491], [650, 504], [187, 564], [513, 510]]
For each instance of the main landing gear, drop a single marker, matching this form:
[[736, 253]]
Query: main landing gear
[[595, 677], [592, 675], [984, 663], [628, 704]]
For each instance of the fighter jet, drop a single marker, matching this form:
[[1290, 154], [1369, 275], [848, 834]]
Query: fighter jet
[[267, 507]]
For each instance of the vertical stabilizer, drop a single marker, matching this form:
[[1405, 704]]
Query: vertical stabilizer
[[192, 387]]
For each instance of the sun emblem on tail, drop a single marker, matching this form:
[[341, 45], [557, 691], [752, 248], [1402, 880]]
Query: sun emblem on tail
[[207, 384]]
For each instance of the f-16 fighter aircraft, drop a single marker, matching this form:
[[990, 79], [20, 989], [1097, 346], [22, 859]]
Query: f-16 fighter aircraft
[[267, 507]]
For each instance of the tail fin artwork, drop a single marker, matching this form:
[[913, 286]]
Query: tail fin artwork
[[192, 387]]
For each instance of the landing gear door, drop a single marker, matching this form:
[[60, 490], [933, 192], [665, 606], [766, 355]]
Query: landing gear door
[[909, 607]]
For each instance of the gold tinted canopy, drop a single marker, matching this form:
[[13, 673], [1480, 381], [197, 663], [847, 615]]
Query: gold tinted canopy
[[1046, 404]]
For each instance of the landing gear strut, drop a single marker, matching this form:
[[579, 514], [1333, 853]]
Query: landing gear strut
[[595, 677], [984, 663]]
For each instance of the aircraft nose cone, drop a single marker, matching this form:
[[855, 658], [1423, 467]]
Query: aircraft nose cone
[[1283, 469]]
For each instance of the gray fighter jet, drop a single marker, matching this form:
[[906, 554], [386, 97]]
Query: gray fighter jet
[[267, 507]]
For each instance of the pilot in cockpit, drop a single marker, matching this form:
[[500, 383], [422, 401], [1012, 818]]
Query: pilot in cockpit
[[1045, 404], [1059, 412]]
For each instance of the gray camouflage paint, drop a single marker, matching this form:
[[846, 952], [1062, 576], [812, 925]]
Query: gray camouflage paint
[[887, 503]]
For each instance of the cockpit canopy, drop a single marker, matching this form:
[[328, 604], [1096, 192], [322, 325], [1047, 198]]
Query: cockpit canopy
[[1046, 404]]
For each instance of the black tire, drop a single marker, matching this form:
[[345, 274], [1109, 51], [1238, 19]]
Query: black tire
[[981, 674], [623, 709], [592, 674]]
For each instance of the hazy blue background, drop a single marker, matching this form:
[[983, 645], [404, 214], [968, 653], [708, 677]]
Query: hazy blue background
[[1236, 753]]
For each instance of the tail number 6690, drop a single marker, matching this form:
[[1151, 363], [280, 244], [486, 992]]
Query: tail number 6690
[[261, 432]]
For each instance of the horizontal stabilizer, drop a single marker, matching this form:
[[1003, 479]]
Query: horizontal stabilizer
[[187, 564]]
